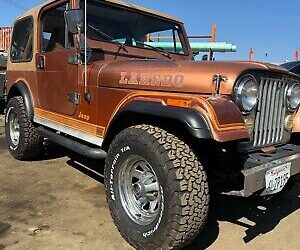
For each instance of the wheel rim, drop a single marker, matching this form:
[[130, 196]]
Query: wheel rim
[[14, 129], [139, 190]]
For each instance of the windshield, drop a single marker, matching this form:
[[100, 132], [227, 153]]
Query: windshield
[[133, 28]]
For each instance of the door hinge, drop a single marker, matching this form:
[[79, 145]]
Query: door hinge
[[74, 98]]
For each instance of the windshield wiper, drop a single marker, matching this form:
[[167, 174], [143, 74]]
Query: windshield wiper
[[160, 51], [122, 46], [109, 38]]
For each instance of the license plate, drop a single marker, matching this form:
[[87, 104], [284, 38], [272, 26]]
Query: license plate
[[276, 178]]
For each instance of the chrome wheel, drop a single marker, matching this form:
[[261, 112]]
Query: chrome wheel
[[139, 190], [14, 129]]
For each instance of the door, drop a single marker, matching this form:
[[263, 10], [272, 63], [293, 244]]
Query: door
[[57, 80]]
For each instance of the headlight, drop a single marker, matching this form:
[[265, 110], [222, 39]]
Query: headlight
[[293, 96], [246, 93]]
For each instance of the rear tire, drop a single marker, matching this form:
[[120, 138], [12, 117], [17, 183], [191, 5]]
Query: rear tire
[[23, 140], [145, 166]]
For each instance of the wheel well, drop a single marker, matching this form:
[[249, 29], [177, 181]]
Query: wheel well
[[217, 157], [14, 91], [21, 89], [128, 119]]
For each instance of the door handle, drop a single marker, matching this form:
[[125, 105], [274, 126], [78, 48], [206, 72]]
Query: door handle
[[41, 62]]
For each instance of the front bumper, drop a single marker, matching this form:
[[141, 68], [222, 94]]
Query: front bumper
[[258, 164]]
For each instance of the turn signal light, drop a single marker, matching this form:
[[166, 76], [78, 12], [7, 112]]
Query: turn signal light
[[179, 103], [249, 123], [288, 122]]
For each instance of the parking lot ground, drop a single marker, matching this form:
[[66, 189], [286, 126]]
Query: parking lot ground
[[57, 203]]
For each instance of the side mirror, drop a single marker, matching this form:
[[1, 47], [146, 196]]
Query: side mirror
[[74, 20]]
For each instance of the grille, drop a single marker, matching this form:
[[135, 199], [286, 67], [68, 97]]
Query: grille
[[269, 121]]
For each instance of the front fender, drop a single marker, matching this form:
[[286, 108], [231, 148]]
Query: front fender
[[215, 118]]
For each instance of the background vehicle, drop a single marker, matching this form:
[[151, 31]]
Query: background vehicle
[[171, 130], [292, 67]]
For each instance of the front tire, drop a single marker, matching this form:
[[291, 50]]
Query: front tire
[[23, 140], [157, 189]]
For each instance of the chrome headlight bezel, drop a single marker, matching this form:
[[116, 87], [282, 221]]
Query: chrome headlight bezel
[[293, 96], [247, 88]]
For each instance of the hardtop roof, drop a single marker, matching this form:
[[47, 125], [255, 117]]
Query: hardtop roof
[[36, 10]]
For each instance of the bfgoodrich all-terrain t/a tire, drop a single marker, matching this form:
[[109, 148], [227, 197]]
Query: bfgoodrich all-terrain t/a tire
[[23, 140], [157, 189]]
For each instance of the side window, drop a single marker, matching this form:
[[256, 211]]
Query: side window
[[54, 36], [21, 45]]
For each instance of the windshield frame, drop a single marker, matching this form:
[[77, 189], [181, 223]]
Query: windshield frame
[[186, 50]]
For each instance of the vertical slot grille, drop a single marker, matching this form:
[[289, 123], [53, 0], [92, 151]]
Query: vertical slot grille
[[269, 121]]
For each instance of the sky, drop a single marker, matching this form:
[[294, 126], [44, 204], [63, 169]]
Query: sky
[[270, 26]]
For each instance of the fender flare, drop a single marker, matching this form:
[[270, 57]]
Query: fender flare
[[195, 123], [24, 91]]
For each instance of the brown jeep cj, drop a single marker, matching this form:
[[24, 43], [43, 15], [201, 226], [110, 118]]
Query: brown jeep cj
[[171, 130]]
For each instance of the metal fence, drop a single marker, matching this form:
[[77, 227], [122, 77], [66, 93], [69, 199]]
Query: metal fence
[[5, 37]]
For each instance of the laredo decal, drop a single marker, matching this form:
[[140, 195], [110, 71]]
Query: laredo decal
[[147, 79]]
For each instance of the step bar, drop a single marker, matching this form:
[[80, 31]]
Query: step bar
[[73, 145]]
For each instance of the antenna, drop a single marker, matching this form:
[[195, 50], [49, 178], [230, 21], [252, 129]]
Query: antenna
[[266, 56]]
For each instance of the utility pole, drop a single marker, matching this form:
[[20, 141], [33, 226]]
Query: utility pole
[[213, 39], [296, 55], [251, 54]]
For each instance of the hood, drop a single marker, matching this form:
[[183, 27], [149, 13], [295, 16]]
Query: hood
[[173, 76]]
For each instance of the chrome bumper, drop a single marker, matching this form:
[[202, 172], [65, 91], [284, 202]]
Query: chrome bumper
[[258, 164]]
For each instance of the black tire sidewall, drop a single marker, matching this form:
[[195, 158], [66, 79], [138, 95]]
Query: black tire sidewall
[[120, 151]]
